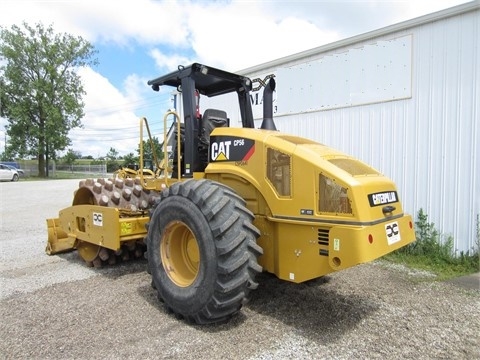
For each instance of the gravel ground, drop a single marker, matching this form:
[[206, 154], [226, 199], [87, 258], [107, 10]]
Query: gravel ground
[[56, 308]]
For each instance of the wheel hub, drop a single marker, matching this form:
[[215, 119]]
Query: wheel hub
[[180, 254]]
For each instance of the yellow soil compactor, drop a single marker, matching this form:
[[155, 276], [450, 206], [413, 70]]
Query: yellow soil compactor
[[227, 202]]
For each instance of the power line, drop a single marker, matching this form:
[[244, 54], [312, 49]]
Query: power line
[[132, 105], [101, 131], [117, 135]]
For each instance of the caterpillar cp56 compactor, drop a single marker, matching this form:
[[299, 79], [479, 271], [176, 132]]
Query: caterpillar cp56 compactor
[[227, 202]]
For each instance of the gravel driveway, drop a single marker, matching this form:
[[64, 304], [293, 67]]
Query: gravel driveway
[[53, 307]]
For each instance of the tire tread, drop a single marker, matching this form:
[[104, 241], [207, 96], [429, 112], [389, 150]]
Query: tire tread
[[234, 236]]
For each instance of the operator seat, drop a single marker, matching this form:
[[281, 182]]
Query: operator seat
[[212, 118]]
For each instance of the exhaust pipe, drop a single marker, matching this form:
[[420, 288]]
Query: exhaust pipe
[[267, 123]]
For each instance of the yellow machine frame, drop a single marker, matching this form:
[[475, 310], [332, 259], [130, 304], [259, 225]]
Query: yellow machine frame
[[296, 247]]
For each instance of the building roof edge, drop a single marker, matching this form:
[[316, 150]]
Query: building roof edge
[[424, 19]]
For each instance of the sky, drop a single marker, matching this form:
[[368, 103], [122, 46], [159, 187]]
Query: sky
[[138, 40]]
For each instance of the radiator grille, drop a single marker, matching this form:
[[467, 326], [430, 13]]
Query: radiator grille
[[323, 241], [353, 167]]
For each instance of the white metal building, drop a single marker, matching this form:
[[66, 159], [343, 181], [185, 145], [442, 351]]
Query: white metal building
[[404, 99]]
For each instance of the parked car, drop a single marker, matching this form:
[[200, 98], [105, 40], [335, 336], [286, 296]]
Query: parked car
[[20, 172], [7, 173]]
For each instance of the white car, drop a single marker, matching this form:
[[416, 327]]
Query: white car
[[20, 172], [7, 173]]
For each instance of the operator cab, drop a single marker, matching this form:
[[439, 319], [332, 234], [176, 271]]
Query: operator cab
[[200, 79], [196, 79]]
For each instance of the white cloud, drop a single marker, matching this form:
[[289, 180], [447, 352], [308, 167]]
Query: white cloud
[[143, 21], [227, 34], [106, 123], [135, 90], [258, 28], [168, 62], [224, 34], [414, 8], [241, 35], [112, 117], [353, 17]]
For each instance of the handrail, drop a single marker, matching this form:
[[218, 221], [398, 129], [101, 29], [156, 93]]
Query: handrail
[[164, 164], [143, 120], [177, 119]]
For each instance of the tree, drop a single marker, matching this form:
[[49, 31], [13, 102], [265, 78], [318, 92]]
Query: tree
[[112, 163], [112, 154], [7, 155], [130, 159], [147, 149], [40, 91], [148, 159], [71, 156]]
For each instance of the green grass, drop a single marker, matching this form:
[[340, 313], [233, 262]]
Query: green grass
[[443, 269], [75, 175], [434, 253], [64, 175]]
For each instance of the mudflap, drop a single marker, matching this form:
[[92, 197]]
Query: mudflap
[[58, 240]]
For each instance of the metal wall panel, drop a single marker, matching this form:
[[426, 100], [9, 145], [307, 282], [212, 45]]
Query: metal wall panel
[[362, 75], [429, 143]]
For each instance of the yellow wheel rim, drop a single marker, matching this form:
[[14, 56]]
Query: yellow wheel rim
[[180, 254]]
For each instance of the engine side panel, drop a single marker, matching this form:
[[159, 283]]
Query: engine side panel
[[318, 209]]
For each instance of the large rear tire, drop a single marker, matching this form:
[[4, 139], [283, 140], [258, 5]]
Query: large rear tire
[[202, 251]]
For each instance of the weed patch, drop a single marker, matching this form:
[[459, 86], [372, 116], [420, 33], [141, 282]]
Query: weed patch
[[435, 252]]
